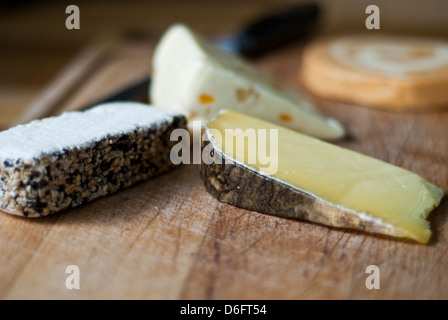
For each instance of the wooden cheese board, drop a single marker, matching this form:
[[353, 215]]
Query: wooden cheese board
[[169, 239]]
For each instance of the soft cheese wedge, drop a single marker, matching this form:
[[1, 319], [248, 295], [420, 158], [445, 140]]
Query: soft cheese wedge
[[197, 79], [54, 164], [313, 180]]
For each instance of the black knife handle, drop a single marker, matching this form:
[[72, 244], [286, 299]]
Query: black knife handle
[[272, 31]]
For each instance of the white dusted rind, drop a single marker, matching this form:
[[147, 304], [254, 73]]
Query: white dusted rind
[[50, 165], [75, 128], [195, 78]]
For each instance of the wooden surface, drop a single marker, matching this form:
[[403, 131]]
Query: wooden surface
[[169, 239]]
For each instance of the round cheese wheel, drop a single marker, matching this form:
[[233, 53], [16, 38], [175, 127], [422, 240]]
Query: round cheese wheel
[[398, 73]]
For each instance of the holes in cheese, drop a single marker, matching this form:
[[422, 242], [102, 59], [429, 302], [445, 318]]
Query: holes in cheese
[[285, 117], [205, 98], [314, 180]]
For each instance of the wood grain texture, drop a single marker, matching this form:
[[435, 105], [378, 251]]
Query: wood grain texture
[[169, 239], [66, 81], [137, 244]]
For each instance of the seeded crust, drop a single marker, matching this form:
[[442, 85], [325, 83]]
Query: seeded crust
[[62, 180]]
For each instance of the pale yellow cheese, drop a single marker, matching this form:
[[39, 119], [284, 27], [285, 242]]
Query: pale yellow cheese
[[339, 176], [197, 79]]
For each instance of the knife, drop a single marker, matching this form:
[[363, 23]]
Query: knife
[[258, 38]]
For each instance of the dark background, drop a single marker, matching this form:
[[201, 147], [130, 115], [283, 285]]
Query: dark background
[[35, 44]]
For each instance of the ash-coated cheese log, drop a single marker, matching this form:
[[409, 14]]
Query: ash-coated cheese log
[[57, 163]]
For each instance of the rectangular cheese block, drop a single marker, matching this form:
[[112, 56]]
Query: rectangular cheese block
[[316, 181], [197, 79], [57, 163]]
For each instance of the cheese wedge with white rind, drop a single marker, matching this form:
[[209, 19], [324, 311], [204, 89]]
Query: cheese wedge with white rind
[[57, 163], [197, 79], [317, 181]]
